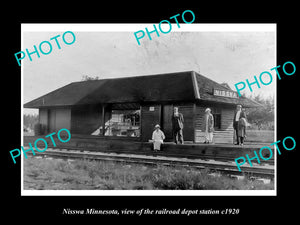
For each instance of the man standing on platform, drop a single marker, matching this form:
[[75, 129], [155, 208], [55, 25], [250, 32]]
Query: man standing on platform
[[177, 125], [236, 118]]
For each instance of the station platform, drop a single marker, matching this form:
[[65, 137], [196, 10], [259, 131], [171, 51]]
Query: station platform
[[220, 152]]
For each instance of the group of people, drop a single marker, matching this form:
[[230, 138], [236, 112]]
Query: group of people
[[177, 125], [239, 125]]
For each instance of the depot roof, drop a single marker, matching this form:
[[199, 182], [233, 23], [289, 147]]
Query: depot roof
[[179, 86]]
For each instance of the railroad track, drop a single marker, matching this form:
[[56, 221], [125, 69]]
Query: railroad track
[[221, 158], [259, 171]]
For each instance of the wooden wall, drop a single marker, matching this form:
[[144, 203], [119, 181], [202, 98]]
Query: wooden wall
[[43, 117], [223, 135], [187, 110], [86, 119], [55, 119], [166, 123], [149, 118], [199, 115], [63, 119], [162, 116]]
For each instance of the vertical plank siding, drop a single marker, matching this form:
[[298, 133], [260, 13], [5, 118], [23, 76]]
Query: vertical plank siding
[[63, 119], [187, 111], [43, 117], [85, 119], [166, 122], [149, 120]]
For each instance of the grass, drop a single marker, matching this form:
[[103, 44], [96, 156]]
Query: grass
[[266, 136], [58, 174]]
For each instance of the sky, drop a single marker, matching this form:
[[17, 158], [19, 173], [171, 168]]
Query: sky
[[223, 56]]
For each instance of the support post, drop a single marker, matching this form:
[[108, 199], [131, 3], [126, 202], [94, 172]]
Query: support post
[[103, 120], [194, 122]]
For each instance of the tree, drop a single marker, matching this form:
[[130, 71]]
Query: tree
[[262, 116], [87, 78], [29, 120]]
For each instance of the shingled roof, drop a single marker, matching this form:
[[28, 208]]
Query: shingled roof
[[206, 87], [181, 86]]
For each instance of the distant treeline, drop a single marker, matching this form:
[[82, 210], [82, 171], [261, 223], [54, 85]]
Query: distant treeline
[[262, 117], [30, 120]]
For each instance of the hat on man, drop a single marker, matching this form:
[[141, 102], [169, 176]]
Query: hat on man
[[157, 126], [206, 110]]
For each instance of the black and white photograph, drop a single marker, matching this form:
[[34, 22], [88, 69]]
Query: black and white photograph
[[149, 111], [107, 110]]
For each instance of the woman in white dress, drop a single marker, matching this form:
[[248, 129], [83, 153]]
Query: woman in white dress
[[208, 126], [158, 138]]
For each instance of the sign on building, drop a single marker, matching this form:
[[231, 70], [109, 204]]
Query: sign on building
[[223, 93]]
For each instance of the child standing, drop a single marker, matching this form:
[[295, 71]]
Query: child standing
[[158, 138]]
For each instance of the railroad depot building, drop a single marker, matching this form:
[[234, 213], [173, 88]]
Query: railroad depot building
[[130, 107]]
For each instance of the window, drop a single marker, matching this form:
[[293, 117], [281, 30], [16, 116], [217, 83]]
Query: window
[[123, 123], [217, 117]]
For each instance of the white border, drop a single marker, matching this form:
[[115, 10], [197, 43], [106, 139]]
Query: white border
[[149, 192], [133, 28], [245, 27]]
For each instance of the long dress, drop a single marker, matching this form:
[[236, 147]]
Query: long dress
[[208, 127], [158, 138]]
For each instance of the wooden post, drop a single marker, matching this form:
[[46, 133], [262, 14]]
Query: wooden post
[[194, 121], [141, 131], [161, 116], [103, 119], [234, 136]]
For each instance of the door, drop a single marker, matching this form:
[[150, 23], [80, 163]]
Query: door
[[167, 111], [187, 110], [51, 120], [63, 119], [150, 116]]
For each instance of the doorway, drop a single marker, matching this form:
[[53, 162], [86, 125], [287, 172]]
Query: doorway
[[51, 119], [166, 122]]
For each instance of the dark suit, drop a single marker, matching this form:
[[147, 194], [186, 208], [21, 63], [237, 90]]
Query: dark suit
[[236, 122], [177, 125]]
